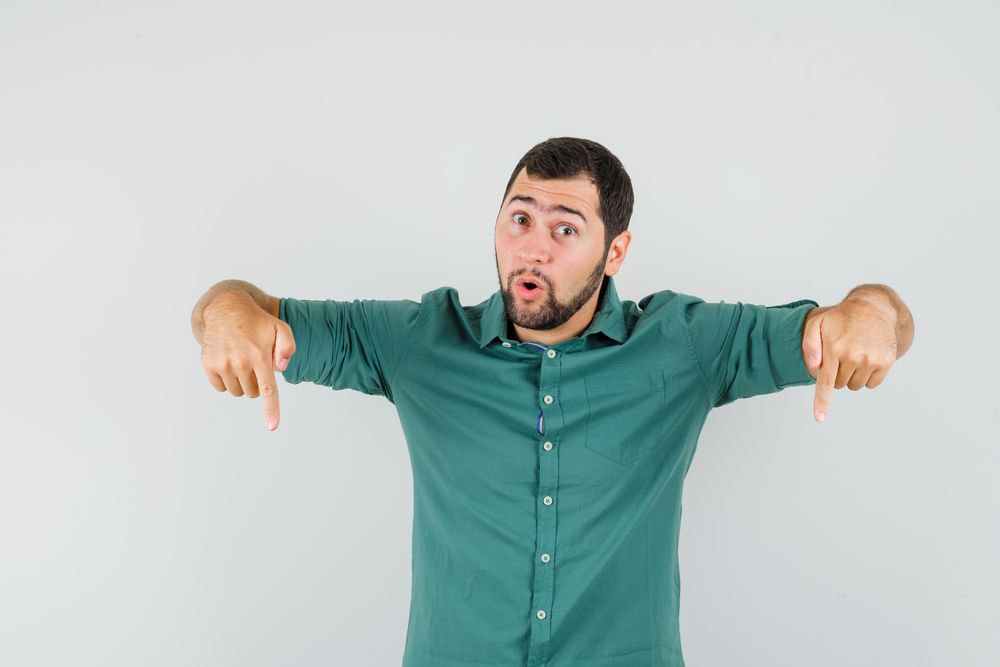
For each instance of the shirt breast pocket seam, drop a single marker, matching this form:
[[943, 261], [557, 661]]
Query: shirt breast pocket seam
[[624, 444]]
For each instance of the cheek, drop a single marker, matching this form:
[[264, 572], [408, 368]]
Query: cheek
[[576, 263], [505, 250], [503, 258]]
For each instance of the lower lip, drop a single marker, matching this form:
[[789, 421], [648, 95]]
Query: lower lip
[[526, 293]]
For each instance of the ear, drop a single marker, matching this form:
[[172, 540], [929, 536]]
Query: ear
[[617, 251]]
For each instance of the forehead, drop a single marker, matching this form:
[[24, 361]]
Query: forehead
[[578, 192]]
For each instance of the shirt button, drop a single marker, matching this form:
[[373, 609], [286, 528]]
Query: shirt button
[[547, 500], [505, 344], [547, 446], [545, 558], [551, 353], [540, 614], [548, 399]]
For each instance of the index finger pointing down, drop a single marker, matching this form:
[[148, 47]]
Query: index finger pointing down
[[269, 394]]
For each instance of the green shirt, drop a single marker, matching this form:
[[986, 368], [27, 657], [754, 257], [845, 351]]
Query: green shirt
[[547, 479]]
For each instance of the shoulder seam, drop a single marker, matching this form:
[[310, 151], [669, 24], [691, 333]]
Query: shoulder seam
[[697, 362], [409, 340]]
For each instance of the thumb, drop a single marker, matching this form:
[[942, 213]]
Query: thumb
[[812, 346], [284, 345]]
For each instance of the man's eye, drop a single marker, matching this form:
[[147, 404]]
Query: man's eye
[[519, 215], [569, 227]]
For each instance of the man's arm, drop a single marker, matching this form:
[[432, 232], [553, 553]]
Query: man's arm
[[855, 343], [356, 344], [746, 349]]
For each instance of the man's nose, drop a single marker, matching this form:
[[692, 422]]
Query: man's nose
[[534, 249]]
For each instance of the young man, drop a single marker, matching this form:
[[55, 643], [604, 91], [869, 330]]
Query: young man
[[551, 426]]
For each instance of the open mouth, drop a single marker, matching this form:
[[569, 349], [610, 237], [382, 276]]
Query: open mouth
[[528, 288]]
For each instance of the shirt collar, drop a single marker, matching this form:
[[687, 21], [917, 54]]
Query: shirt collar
[[609, 318]]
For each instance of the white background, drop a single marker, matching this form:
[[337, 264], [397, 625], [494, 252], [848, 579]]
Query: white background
[[779, 151]]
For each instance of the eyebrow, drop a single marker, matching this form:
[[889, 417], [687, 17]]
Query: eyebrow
[[555, 207]]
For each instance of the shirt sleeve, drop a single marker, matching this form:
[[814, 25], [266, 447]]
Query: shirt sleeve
[[746, 350], [348, 344]]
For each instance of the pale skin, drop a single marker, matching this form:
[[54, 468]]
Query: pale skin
[[557, 239], [539, 242]]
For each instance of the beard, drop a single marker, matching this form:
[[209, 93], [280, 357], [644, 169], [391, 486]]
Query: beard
[[549, 313]]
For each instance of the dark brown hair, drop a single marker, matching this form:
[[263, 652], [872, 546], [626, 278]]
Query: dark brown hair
[[568, 157]]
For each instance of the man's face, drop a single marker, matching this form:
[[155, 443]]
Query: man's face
[[549, 235]]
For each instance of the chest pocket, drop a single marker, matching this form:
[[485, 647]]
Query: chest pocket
[[626, 414]]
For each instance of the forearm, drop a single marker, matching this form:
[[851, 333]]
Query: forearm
[[887, 299], [237, 289]]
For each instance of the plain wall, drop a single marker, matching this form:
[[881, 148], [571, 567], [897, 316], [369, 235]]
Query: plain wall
[[779, 151]]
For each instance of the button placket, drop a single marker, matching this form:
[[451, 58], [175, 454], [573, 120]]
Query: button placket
[[548, 487]]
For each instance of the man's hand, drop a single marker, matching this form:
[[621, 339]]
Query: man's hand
[[853, 343], [242, 346]]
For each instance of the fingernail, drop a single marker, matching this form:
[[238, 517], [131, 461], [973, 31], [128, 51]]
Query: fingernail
[[812, 359], [821, 416], [271, 424], [281, 363]]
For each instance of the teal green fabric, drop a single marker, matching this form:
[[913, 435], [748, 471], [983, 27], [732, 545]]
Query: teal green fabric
[[547, 480]]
